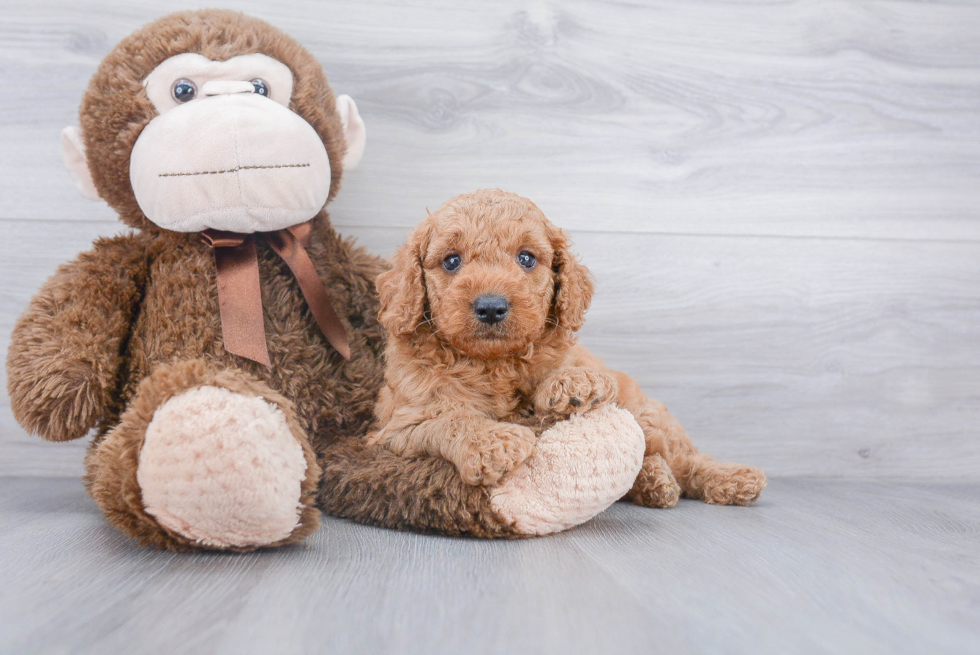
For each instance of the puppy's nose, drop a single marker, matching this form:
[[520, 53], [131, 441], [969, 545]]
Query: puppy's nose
[[491, 309]]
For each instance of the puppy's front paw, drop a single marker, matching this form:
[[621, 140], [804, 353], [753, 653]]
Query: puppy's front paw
[[576, 390], [484, 458]]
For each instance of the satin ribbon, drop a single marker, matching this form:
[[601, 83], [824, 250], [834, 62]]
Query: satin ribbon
[[240, 295]]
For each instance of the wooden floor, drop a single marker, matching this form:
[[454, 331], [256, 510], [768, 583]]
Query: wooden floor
[[814, 567]]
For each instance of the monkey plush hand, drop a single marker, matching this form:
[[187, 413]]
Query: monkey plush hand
[[227, 352]]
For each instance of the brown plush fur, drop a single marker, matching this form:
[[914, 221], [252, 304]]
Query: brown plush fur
[[135, 320], [371, 484], [476, 394]]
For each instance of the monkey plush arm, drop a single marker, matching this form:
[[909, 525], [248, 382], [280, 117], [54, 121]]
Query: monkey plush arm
[[483, 450], [65, 350]]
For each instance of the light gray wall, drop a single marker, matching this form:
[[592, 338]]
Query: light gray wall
[[779, 200]]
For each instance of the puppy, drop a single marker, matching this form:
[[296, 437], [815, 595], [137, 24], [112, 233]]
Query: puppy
[[481, 307]]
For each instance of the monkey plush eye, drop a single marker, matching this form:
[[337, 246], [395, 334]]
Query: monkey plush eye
[[526, 260], [452, 262], [261, 87], [183, 90]]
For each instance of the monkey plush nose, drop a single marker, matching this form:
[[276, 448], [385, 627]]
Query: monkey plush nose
[[491, 309], [226, 87]]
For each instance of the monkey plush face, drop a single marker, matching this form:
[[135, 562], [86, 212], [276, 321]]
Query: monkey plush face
[[212, 119], [225, 151]]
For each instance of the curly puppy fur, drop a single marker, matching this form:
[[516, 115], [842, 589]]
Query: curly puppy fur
[[478, 393]]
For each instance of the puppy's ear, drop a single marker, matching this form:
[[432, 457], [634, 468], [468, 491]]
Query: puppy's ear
[[573, 284], [402, 289]]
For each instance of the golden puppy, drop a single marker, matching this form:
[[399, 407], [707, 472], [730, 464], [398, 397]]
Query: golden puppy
[[482, 307]]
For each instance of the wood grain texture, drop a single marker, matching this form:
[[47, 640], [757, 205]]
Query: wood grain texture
[[847, 363], [778, 199], [791, 118], [815, 567]]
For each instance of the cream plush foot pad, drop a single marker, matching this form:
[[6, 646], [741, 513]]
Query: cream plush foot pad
[[222, 469], [579, 468]]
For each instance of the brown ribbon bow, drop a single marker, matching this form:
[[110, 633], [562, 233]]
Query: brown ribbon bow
[[240, 296]]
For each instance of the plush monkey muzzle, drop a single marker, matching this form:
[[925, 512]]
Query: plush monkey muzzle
[[229, 160]]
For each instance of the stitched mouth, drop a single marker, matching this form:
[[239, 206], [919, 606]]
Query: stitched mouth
[[234, 170]]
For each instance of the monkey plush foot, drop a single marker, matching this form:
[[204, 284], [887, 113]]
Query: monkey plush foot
[[206, 459], [222, 469], [579, 468]]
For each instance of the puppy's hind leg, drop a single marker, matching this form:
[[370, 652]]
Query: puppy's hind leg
[[655, 485], [698, 475]]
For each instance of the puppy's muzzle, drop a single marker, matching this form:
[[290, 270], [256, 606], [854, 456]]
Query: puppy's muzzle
[[491, 309]]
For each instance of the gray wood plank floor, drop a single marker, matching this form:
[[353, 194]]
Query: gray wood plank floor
[[815, 567]]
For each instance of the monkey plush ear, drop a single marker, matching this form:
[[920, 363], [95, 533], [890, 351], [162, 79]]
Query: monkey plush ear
[[354, 131], [73, 154]]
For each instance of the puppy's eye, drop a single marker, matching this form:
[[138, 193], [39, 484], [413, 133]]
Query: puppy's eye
[[183, 90], [452, 262], [526, 260]]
